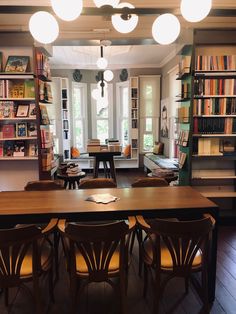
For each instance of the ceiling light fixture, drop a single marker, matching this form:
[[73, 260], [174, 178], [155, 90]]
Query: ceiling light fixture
[[124, 23], [67, 10], [108, 75], [102, 62], [166, 29], [43, 27], [100, 3], [195, 11]]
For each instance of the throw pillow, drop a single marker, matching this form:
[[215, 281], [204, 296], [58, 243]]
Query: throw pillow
[[158, 148], [127, 151], [75, 153]]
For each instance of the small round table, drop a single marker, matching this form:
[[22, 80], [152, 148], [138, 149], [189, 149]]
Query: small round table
[[71, 181]]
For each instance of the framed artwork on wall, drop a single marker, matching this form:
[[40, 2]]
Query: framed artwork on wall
[[164, 118]]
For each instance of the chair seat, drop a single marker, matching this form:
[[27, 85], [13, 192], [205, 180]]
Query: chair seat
[[166, 260], [46, 256]]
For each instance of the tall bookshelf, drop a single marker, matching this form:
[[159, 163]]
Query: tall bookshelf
[[184, 112], [134, 114], [47, 160]]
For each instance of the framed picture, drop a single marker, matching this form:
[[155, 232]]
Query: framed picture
[[22, 111], [164, 118], [17, 64], [21, 129]]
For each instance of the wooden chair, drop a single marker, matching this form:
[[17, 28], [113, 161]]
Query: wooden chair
[[97, 253], [43, 185], [48, 185], [26, 254], [144, 182], [178, 249], [149, 182], [97, 183]]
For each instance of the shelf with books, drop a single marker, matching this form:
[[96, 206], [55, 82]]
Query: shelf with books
[[134, 117]]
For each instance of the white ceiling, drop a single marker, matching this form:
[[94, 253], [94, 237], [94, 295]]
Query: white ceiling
[[96, 28]]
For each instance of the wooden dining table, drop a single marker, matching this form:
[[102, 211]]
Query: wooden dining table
[[179, 201]]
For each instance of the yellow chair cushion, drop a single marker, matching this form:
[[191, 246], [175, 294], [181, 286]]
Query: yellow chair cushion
[[82, 268], [166, 260], [27, 267]]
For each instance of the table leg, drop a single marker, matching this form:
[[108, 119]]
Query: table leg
[[112, 168], [96, 167]]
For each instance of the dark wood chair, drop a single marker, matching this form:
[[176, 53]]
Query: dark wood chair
[[26, 255], [144, 182], [43, 185], [97, 183], [178, 249], [48, 185], [149, 182], [97, 253]]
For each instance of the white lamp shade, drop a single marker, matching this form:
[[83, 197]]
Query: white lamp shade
[[102, 63], [108, 75], [195, 10], [166, 29], [43, 27], [100, 3], [121, 25], [67, 10]]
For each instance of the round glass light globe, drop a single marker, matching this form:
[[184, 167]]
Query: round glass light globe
[[100, 3], [108, 75], [195, 11], [102, 63], [95, 93], [99, 84], [121, 25], [166, 29], [43, 27], [67, 10]]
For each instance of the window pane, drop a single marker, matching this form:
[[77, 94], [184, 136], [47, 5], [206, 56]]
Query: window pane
[[148, 142], [77, 102], [124, 132], [148, 124], [78, 131], [148, 108], [125, 102], [102, 109], [102, 130]]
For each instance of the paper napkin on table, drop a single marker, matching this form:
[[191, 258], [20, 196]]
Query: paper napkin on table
[[102, 198]]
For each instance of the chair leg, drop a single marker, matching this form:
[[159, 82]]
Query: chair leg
[[145, 281], [6, 296], [132, 242], [186, 284], [56, 246]]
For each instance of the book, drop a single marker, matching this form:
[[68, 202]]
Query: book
[[29, 89], [8, 131], [32, 129], [8, 148], [33, 150], [7, 109], [21, 129], [1, 149], [19, 149], [44, 115], [32, 110]]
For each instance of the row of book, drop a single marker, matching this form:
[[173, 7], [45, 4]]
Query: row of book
[[185, 90], [45, 92], [207, 146], [21, 129], [46, 137], [183, 138], [17, 89], [9, 110], [42, 65], [93, 145], [182, 159], [18, 149], [214, 125], [216, 63], [204, 87], [214, 106], [184, 65]]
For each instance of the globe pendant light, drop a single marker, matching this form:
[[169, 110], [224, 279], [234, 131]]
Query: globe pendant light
[[166, 29], [100, 3], [67, 10], [124, 24], [108, 75], [102, 62], [43, 27], [195, 10]]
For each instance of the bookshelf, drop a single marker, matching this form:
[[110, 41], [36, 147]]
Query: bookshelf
[[214, 116], [184, 113], [134, 114], [47, 160]]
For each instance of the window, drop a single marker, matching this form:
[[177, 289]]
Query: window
[[102, 114], [122, 101], [149, 111], [79, 115]]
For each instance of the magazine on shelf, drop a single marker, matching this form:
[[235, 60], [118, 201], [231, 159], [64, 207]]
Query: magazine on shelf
[[21, 129], [19, 149]]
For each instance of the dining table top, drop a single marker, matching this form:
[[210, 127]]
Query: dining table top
[[72, 204]]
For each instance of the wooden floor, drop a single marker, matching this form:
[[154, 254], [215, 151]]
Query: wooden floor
[[99, 299]]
